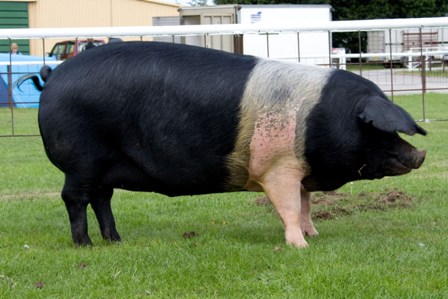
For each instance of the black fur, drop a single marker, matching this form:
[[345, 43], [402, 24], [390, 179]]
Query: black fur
[[351, 133], [385, 116], [145, 116], [140, 116]]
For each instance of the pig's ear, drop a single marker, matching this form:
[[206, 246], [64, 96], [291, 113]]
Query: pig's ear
[[386, 116]]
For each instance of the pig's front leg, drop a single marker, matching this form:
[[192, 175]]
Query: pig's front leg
[[282, 186], [306, 224]]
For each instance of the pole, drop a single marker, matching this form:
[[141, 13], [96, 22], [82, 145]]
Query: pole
[[391, 66], [423, 73]]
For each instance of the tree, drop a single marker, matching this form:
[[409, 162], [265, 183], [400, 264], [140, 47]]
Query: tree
[[384, 9], [367, 9], [198, 2], [272, 2]]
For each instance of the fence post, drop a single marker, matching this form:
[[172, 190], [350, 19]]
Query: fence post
[[43, 50], [267, 44], [391, 65], [8, 70], [10, 101], [298, 47], [423, 73], [330, 49], [360, 52]]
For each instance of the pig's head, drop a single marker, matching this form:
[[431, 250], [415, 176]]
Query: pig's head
[[353, 135], [386, 153]]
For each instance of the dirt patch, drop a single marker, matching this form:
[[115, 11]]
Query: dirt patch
[[262, 201], [323, 215], [39, 285], [330, 205], [396, 197], [189, 235]]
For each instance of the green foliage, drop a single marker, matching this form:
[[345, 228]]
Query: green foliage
[[237, 249], [198, 2], [383, 9], [365, 9], [260, 2]]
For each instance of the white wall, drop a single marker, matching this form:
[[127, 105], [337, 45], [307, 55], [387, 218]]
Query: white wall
[[314, 46]]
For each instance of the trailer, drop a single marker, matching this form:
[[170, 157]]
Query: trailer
[[405, 47], [304, 47]]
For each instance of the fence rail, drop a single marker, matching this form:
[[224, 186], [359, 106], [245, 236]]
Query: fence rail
[[395, 65], [256, 28]]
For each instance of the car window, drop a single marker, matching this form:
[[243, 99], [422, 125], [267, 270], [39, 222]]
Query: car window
[[70, 48], [67, 49], [82, 45], [57, 51]]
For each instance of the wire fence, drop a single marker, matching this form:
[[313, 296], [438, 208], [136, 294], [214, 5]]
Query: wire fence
[[401, 56]]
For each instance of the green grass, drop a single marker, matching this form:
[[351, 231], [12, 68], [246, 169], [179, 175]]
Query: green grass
[[434, 105], [364, 66], [18, 122], [237, 249]]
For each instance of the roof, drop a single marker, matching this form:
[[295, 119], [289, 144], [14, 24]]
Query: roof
[[161, 3], [149, 1], [240, 6]]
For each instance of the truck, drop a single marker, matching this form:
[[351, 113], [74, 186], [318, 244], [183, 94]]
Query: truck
[[69, 48]]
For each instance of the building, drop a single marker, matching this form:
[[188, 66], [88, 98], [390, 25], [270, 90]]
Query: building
[[308, 47], [76, 13]]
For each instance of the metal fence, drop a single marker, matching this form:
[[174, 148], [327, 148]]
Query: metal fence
[[401, 56]]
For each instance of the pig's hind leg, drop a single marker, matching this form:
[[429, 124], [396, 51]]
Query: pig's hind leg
[[77, 196], [101, 204], [306, 223], [76, 200]]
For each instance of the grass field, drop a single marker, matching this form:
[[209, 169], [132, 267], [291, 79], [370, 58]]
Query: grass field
[[378, 239]]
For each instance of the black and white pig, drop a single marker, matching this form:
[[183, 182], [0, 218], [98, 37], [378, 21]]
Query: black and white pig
[[183, 120]]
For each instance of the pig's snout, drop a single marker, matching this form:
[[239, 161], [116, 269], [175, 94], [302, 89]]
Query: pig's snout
[[413, 160], [403, 163], [418, 158]]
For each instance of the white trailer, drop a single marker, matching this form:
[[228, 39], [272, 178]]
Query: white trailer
[[305, 47], [403, 47]]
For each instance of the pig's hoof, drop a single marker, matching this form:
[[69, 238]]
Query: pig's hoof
[[111, 236], [113, 240], [298, 243], [310, 231], [83, 242]]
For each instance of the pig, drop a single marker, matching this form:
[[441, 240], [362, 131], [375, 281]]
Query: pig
[[184, 120]]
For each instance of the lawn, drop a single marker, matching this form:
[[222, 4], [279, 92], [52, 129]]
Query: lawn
[[378, 239]]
